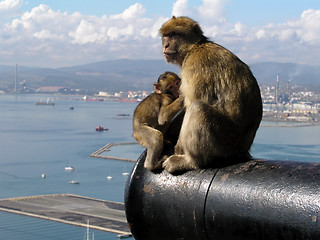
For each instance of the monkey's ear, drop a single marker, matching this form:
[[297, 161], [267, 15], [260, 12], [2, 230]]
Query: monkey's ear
[[156, 87]]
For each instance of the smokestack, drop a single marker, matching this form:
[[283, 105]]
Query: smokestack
[[277, 89], [15, 79]]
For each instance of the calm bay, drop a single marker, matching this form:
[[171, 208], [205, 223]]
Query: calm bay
[[36, 139]]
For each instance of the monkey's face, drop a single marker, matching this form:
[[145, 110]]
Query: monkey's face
[[170, 47], [170, 84], [178, 37]]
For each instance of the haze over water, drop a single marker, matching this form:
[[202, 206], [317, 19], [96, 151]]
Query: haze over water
[[45, 139]]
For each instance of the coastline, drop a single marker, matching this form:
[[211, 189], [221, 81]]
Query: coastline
[[267, 122]]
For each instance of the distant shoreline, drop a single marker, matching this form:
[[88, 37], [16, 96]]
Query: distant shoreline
[[284, 123], [276, 122]]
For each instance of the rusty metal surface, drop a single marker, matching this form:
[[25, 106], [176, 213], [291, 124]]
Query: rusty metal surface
[[252, 200]]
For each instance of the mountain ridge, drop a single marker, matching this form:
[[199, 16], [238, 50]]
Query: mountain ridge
[[126, 74]]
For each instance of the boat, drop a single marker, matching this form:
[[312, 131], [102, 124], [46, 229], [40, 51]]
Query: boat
[[129, 100], [48, 102], [69, 168], [86, 98], [75, 179], [87, 234], [43, 175], [122, 236], [71, 107], [125, 172], [123, 114], [74, 182], [109, 177], [101, 129]]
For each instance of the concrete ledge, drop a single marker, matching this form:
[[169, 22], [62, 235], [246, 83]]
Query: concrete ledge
[[71, 209]]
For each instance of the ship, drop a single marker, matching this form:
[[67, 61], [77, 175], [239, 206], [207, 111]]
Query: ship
[[130, 100], [101, 129], [48, 102], [123, 114], [86, 98]]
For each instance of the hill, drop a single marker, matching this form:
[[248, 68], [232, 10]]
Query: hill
[[296, 74], [125, 75]]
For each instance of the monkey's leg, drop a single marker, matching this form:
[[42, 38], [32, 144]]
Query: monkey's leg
[[205, 134], [181, 160], [152, 139]]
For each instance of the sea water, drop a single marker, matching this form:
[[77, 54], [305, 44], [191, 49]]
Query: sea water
[[36, 139]]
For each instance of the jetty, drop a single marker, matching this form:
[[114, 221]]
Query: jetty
[[71, 209], [107, 147]]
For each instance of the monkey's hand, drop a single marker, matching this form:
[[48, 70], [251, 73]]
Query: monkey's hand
[[167, 113]]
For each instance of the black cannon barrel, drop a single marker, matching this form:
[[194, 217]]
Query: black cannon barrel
[[257, 199]]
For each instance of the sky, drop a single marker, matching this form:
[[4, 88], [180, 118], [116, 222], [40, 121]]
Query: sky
[[60, 33]]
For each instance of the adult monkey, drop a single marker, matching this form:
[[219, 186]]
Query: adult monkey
[[221, 96]]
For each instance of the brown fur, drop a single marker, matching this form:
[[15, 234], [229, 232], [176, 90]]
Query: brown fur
[[222, 98], [153, 115]]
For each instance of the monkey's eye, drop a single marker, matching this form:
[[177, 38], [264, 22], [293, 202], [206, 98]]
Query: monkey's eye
[[171, 35]]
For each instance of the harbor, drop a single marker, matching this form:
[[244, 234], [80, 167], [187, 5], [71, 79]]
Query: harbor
[[49, 139], [107, 147], [71, 209]]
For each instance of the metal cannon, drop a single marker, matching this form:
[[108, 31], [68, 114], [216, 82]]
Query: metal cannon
[[257, 199]]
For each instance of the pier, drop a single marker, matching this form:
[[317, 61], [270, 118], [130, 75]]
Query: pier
[[107, 147], [71, 209]]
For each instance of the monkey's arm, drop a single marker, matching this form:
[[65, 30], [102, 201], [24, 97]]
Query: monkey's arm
[[168, 112]]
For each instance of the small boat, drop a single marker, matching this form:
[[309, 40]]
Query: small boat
[[101, 129], [86, 98], [69, 168], [123, 114], [43, 175], [48, 102], [109, 177], [71, 107], [125, 172], [74, 182], [122, 236], [129, 100]]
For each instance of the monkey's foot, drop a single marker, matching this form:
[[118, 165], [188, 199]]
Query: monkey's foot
[[176, 163], [153, 165]]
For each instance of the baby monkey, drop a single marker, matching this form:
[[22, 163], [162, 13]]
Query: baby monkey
[[152, 117]]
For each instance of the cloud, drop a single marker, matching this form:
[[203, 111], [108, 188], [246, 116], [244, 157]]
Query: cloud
[[83, 38], [88, 31], [133, 12], [46, 34], [309, 25], [9, 5], [212, 10], [10, 8], [180, 8], [46, 37], [297, 40]]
